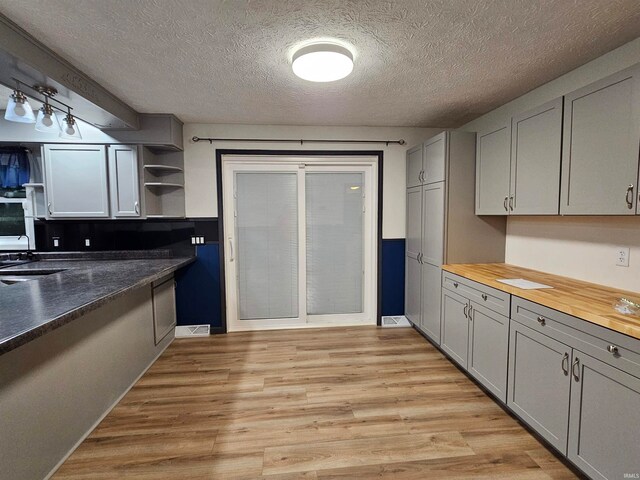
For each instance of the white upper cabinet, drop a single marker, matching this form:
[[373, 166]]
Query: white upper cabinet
[[414, 167], [493, 160], [600, 147], [435, 159], [536, 148], [124, 181], [76, 181]]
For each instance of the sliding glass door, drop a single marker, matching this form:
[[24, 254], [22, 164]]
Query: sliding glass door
[[300, 244]]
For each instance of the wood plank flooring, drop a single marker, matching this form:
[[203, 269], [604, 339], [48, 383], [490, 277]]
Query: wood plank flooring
[[338, 403]]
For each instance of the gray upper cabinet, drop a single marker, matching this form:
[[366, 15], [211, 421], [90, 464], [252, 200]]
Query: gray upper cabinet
[[539, 383], [124, 181], [493, 160], [604, 438], [488, 347], [455, 326], [76, 181], [435, 159], [414, 166], [600, 147], [535, 160]]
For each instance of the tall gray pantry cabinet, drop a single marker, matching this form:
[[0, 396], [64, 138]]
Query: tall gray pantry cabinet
[[441, 223]]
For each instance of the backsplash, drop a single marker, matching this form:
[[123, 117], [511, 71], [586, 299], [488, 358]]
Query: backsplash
[[72, 235]]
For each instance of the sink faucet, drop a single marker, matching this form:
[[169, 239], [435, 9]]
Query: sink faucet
[[28, 254]]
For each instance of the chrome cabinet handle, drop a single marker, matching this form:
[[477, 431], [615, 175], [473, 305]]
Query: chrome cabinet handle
[[466, 306], [49, 208], [136, 208], [455, 284], [506, 199], [470, 313], [565, 363], [421, 176], [511, 203], [576, 373], [420, 258], [484, 297], [613, 350], [629, 197], [542, 321]]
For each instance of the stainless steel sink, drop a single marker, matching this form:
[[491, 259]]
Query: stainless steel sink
[[19, 276]]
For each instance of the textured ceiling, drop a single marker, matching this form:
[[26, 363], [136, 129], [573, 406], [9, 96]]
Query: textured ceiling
[[417, 63]]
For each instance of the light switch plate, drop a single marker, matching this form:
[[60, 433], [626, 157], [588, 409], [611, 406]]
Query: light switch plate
[[622, 256]]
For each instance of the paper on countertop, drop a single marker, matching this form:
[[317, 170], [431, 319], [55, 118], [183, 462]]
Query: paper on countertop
[[522, 283]]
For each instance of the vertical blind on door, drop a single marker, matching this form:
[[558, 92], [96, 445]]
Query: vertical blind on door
[[267, 243], [335, 242]]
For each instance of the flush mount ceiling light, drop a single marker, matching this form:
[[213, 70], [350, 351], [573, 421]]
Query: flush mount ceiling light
[[322, 62]]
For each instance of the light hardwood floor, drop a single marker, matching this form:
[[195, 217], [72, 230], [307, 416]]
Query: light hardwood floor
[[339, 403]]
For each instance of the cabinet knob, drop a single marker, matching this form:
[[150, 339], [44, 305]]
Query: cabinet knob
[[613, 350], [484, 297], [542, 321], [455, 284], [629, 197]]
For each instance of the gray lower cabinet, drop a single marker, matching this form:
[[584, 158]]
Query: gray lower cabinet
[[539, 383], [76, 181], [413, 289], [600, 147], [431, 298], [488, 348], [164, 308], [455, 326], [604, 428]]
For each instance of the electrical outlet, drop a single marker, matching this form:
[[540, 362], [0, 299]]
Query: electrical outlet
[[193, 240], [622, 256], [87, 242], [56, 242]]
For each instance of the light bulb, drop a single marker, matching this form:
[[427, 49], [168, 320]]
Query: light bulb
[[47, 122], [18, 109]]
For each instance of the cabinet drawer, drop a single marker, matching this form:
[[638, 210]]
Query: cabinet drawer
[[582, 335], [489, 297]]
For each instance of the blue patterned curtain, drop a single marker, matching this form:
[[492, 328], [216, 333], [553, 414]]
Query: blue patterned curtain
[[14, 168]]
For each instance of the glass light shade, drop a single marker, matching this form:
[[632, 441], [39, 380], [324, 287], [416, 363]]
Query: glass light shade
[[322, 62], [47, 121], [69, 128], [19, 110]]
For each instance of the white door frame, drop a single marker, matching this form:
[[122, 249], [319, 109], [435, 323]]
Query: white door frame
[[368, 165]]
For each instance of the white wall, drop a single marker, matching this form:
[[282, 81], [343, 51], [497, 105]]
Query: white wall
[[200, 165], [578, 247]]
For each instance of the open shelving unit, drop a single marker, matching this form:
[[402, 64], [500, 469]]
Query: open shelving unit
[[163, 183]]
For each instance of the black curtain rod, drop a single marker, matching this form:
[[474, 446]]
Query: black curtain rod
[[289, 140]]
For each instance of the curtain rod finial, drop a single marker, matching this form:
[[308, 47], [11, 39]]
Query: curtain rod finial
[[195, 139], [402, 142]]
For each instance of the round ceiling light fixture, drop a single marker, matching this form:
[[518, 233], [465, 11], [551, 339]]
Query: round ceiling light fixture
[[322, 62]]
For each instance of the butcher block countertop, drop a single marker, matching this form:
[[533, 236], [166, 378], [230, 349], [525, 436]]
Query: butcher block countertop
[[588, 301]]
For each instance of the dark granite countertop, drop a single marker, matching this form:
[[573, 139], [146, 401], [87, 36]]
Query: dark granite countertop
[[30, 309]]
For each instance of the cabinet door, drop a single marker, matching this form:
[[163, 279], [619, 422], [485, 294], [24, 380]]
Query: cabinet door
[[455, 326], [535, 160], [435, 158], [493, 160], [539, 383], [414, 166], [433, 212], [604, 438], [412, 291], [600, 147], [431, 297], [76, 181], [124, 181], [164, 309], [488, 347], [414, 222]]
